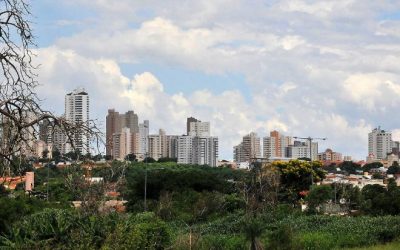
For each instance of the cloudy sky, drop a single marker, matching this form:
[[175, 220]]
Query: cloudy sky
[[306, 68]]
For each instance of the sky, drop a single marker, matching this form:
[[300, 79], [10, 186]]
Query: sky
[[304, 68]]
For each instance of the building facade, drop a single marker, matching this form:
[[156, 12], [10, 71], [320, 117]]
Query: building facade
[[379, 143], [330, 155], [115, 122], [274, 146], [199, 128], [143, 135], [77, 112], [121, 144], [302, 150], [248, 149]]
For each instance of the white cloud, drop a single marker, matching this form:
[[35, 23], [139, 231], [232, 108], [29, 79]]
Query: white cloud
[[373, 91], [319, 68]]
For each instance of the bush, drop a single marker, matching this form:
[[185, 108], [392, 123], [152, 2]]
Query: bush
[[143, 231], [314, 241], [216, 242], [281, 238]]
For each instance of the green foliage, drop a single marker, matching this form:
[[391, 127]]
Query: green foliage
[[280, 238], [12, 209], [166, 159], [378, 200], [367, 167], [394, 169], [317, 196], [297, 176], [61, 229], [314, 241], [217, 242], [253, 228], [350, 167], [198, 204], [130, 157], [143, 231], [177, 179], [149, 160], [343, 231]]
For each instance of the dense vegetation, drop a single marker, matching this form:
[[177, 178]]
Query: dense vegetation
[[197, 207]]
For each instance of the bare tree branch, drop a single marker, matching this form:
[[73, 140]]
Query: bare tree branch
[[20, 107]]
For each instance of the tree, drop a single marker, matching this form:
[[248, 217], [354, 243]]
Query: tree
[[375, 200], [394, 169], [260, 191], [167, 159], [45, 154], [130, 157], [20, 106], [317, 196], [349, 167], [297, 176], [367, 167], [253, 228], [149, 160], [56, 155], [142, 231]]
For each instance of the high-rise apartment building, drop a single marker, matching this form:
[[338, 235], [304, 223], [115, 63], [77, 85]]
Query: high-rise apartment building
[[197, 146], [112, 127], [115, 122], [248, 149], [199, 128], [188, 121], [172, 146], [238, 153], [185, 149], [121, 144], [302, 150], [274, 146], [158, 145], [379, 143], [205, 150], [143, 138], [77, 112], [53, 136]]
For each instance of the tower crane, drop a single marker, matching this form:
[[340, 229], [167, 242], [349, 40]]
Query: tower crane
[[310, 139]]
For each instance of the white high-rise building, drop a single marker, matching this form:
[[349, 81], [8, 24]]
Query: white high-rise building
[[185, 149], [302, 150], [143, 138], [379, 143], [205, 151], [199, 128], [77, 112], [197, 147]]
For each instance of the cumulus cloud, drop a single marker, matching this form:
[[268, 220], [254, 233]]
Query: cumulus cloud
[[319, 68]]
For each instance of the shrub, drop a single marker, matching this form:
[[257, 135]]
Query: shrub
[[314, 241], [143, 231], [216, 242]]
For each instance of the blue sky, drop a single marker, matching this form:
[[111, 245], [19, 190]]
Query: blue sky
[[305, 68]]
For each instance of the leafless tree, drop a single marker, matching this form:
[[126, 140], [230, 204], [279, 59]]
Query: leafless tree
[[261, 190], [20, 107]]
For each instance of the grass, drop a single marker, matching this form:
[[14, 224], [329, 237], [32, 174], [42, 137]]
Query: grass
[[389, 246]]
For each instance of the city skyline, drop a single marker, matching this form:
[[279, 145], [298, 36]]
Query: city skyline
[[323, 69], [116, 124]]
